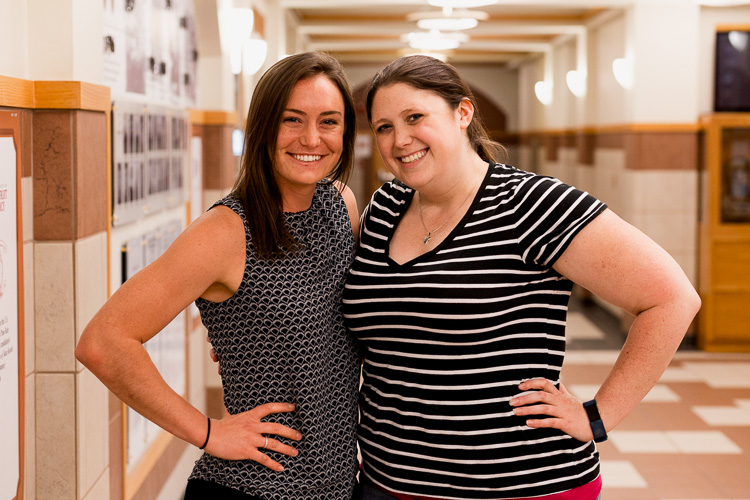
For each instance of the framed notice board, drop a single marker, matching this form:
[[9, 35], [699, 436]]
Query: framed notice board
[[11, 309]]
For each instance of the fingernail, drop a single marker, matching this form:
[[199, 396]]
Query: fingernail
[[513, 402], [291, 407], [299, 436], [281, 468]]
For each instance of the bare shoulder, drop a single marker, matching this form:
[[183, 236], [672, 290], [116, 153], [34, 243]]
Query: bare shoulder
[[351, 205]]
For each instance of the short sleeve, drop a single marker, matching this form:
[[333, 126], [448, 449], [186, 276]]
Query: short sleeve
[[550, 213]]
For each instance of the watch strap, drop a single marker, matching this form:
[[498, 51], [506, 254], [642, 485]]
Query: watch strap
[[597, 426]]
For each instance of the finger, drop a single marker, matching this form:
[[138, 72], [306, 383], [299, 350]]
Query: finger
[[550, 410], [553, 423], [278, 446], [538, 384], [264, 410], [563, 389], [267, 461], [529, 398], [271, 428], [213, 355]]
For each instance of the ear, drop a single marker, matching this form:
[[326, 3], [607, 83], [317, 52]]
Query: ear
[[465, 112]]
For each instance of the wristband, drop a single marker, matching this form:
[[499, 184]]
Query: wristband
[[208, 434], [597, 426]]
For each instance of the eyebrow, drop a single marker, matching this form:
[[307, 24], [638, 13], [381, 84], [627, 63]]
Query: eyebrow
[[324, 113]]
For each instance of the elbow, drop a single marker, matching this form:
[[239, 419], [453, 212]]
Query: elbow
[[87, 351]]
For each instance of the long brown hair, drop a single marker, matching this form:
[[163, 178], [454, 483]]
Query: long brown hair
[[256, 185], [428, 73]]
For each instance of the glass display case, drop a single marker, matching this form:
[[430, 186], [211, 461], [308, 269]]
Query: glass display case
[[735, 175], [724, 260]]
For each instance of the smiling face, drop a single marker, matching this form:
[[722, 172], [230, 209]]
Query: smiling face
[[419, 136], [310, 138]]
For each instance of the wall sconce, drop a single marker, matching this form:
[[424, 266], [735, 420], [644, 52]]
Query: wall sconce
[[543, 91], [236, 27], [576, 82], [254, 53], [623, 70]]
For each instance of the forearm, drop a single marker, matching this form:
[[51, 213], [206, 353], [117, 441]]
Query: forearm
[[126, 369], [653, 338]]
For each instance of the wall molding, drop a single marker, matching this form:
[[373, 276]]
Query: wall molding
[[43, 94]]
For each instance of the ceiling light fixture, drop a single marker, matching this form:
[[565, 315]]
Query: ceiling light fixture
[[461, 19], [434, 40], [461, 4]]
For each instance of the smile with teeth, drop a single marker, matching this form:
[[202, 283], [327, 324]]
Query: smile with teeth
[[414, 156], [307, 157]]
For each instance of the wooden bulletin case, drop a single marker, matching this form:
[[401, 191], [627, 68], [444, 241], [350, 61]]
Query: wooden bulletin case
[[724, 275], [12, 370]]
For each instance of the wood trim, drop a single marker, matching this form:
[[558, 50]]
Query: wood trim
[[72, 95], [622, 128], [206, 117], [17, 93], [722, 28], [133, 481]]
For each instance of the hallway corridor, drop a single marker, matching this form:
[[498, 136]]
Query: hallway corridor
[[688, 439]]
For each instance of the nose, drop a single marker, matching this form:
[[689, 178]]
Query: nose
[[310, 136], [402, 136]]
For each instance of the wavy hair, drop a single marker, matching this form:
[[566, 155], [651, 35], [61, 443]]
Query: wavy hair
[[427, 73], [256, 185]]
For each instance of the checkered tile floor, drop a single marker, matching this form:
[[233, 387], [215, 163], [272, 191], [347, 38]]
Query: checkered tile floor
[[688, 439]]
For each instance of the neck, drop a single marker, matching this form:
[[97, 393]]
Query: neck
[[297, 200], [455, 188]]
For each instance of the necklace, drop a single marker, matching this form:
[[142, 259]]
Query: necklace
[[430, 233]]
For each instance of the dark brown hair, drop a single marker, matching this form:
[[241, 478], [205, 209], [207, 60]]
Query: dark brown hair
[[256, 185], [428, 73]]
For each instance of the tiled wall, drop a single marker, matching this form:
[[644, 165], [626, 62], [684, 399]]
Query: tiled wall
[[69, 193], [650, 179]]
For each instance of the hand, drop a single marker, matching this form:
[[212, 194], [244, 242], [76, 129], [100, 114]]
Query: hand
[[566, 411], [241, 436], [214, 357]]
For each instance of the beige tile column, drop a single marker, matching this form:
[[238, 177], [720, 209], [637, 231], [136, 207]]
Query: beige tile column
[[70, 207]]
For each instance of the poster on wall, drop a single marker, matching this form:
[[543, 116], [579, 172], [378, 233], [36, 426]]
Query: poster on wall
[[9, 326]]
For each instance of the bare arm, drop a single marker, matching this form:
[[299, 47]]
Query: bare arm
[[621, 265], [203, 261]]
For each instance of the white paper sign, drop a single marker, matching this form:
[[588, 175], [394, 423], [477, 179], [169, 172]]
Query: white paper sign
[[9, 397]]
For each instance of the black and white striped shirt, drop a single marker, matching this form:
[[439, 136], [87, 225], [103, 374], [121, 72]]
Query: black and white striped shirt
[[451, 334]]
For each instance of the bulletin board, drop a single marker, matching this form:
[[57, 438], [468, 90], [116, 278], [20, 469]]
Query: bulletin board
[[11, 310]]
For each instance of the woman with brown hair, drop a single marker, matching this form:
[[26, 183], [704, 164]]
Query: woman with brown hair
[[459, 295], [266, 268]]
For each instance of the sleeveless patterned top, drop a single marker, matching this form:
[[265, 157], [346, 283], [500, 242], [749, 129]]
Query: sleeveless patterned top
[[281, 338]]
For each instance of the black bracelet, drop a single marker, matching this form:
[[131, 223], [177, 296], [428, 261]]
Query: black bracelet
[[597, 426], [208, 434]]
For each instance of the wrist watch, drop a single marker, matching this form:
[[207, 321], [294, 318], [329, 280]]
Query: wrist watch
[[597, 426]]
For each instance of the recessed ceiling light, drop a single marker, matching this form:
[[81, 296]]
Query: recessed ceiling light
[[461, 19], [461, 4], [434, 40]]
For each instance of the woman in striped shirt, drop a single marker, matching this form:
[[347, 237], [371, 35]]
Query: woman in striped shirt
[[459, 295]]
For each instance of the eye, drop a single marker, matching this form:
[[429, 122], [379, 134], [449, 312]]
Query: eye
[[330, 122], [291, 119], [414, 117], [382, 129]]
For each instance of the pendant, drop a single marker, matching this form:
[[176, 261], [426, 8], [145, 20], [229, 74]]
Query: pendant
[[427, 238]]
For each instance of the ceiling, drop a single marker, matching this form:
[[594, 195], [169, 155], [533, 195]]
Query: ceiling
[[369, 31]]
